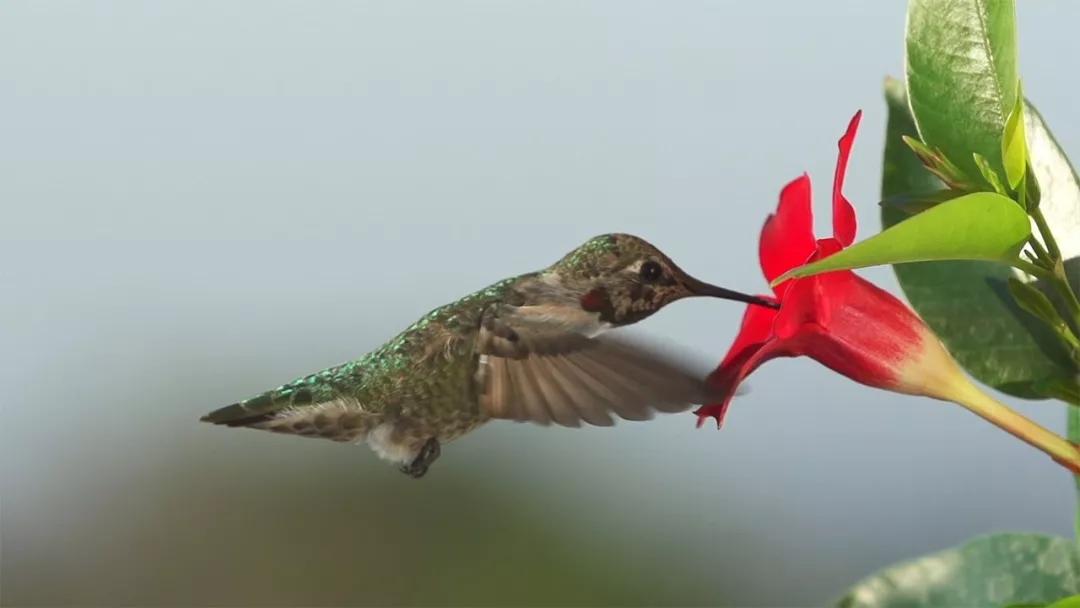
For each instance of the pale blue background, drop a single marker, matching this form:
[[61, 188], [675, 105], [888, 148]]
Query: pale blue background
[[204, 199]]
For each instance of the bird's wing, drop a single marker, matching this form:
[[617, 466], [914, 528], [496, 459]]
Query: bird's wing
[[534, 369]]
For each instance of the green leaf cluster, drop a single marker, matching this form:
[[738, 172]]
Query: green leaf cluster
[[973, 235], [969, 304], [996, 570], [981, 219]]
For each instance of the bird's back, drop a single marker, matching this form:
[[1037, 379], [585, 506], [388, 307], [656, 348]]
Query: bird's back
[[424, 376]]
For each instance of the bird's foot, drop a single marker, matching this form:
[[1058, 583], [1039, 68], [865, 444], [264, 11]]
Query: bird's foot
[[428, 454]]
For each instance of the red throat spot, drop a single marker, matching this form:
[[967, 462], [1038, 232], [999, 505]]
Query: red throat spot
[[595, 300]]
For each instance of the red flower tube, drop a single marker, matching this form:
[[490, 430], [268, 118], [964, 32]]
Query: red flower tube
[[848, 324]]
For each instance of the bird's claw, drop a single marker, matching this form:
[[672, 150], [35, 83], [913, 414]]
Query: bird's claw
[[419, 466]]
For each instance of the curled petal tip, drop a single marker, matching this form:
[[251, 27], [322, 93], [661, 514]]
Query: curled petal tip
[[844, 221], [709, 411]]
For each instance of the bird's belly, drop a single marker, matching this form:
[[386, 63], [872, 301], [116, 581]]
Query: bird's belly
[[444, 425], [457, 426], [390, 445], [400, 439]]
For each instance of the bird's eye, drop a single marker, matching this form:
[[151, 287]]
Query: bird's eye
[[651, 271]]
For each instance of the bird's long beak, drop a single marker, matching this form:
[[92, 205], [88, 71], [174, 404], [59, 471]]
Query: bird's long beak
[[701, 288]]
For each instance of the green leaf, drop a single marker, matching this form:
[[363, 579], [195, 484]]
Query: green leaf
[[936, 163], [979, 226], [1034, 301], [961, 75], [1014, 143], [989, 174], [967, 304], [1060, 205], [1060, 189], [1032, 186], [995, 570]]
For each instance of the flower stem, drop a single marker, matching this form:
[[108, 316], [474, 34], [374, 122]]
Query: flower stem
[[1027, 430]]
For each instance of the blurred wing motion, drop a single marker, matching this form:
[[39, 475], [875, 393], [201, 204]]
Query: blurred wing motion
[[535, 369]]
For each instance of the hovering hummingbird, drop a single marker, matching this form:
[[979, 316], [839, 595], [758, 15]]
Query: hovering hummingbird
[[527, 348]]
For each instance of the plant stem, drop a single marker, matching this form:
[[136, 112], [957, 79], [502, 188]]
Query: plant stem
[[1040, 251], [1055, 277], [1057, 274], [1063, 286], [1033, 270], [1047, 236], [1066, 333], [1027, 430]]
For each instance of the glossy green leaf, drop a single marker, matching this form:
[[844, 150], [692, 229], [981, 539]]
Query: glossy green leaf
[[996, 570], [979, 226], [902, 169], [961, 75], [1014, 143], [966, 303]]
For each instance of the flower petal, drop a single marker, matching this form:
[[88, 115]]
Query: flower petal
[[852, 327], [844, 223], [755, 331], [756, 328], [787, 238]]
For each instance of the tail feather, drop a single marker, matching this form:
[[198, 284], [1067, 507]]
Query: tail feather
[[310, 390], [261, 408], [236, 415]]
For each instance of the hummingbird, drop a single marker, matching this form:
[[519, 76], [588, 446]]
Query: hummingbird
[[527, 348]]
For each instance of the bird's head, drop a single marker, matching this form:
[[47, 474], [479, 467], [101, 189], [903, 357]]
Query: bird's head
[[625, 279]]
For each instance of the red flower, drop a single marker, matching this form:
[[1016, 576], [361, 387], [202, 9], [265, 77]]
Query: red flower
[[851, 326], [841, 320]]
